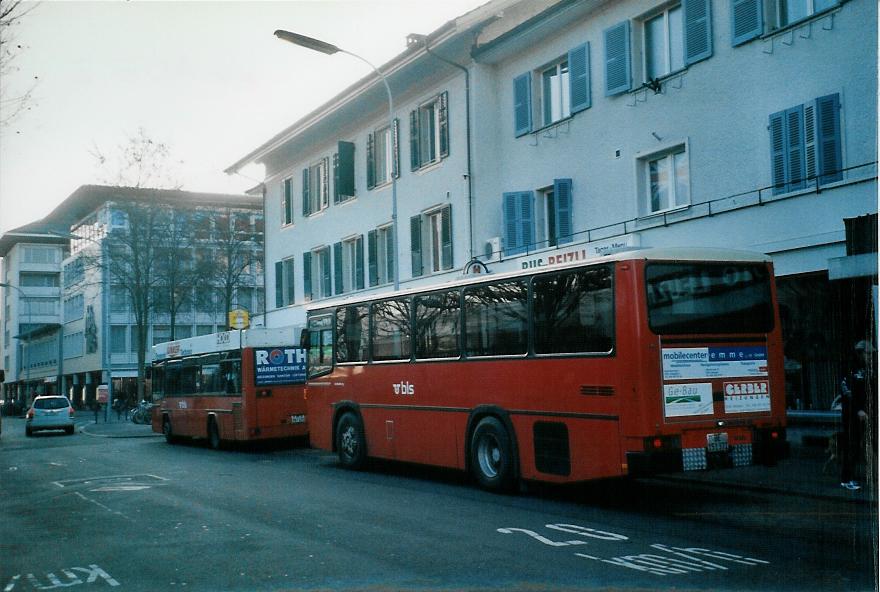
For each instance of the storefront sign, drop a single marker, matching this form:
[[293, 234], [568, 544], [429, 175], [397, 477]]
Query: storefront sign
[[714, 362]]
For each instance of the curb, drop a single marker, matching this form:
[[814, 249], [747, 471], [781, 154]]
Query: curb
[[84, 430]]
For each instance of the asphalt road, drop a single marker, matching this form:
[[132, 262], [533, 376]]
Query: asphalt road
[[83, 512]]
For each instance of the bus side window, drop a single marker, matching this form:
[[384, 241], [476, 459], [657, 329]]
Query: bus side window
[[230, 371], [320, 344]]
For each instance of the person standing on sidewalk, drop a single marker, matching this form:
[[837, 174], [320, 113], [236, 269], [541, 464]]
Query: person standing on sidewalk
[[857, 407]]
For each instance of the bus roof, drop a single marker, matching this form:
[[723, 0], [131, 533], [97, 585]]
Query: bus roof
[[227, 341], [693, 254]]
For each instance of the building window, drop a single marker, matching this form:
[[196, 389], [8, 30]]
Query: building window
[[161, 334], [753, 18], [41, 255], [380, 248], [287, 202], [431, 241], [782, 13], [74, 345], [316, 187], [665, 180], [74, 308], [348, 265], [663, 43], [316, 274], [555, 85], [204, 329], [343, 172], [805, 145], [183, 331], [284, 282], [39, 280], [429, 132], [118, 339], [41, 306], [383, 154], [531, 225]]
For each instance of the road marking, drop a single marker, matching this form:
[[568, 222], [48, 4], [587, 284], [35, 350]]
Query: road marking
[[145, 480], [100, 505], [90, 573]]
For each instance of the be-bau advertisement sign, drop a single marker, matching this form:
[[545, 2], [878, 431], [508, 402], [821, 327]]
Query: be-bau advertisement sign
[[279, 365]]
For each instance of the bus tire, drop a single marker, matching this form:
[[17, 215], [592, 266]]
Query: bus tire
[[214, 435], [492, 462], [166, 430], [351, 445]]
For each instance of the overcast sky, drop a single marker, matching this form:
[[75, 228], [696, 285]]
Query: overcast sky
[[207, 78]]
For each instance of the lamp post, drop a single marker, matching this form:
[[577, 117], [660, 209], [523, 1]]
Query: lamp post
[[330, 49], [23, 298]]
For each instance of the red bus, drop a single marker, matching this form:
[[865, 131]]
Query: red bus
[[646, 361], [234, 386]]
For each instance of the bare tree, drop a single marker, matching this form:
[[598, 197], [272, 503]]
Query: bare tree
[[235, 252], [12, 104], [140, 161], [178, 274]]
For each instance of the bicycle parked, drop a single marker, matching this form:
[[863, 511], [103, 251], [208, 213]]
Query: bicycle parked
[[143, 413]]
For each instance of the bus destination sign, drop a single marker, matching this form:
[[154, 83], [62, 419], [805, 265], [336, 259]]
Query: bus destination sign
[[279, 365]]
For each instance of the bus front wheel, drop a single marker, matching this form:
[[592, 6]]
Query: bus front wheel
[[166, 430], [350, 442], [491, 455], [214, 435]]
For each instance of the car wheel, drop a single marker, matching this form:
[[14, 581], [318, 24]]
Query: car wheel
[[214, 435], [492, 455], [351, 444], [28, 431], [69, 430]]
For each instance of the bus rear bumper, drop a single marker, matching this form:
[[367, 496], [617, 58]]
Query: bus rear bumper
[[767, 447]]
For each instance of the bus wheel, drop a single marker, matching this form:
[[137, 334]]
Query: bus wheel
[[166, 429], [213, 434], [350, 443], [491, 458]]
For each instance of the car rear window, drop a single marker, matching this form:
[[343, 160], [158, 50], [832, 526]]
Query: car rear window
[[51, 403]]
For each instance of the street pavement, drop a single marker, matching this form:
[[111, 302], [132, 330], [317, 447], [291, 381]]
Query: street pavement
[[807, 471]]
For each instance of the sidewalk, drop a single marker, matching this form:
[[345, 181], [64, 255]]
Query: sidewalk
[[114, 428], [807, 472]]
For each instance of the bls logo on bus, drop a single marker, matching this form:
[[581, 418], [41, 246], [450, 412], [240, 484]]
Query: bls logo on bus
[[404, 388]]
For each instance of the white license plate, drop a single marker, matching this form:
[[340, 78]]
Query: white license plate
[[297, 419], [716, 442]]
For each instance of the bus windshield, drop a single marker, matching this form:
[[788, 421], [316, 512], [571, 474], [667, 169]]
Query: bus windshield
[[708, 298]]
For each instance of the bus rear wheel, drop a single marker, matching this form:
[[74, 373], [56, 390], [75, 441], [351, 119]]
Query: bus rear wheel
[[351, 446], [492, 455]]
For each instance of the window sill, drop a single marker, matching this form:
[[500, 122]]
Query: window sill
[[666, 212], [427, 167], [799, 23]]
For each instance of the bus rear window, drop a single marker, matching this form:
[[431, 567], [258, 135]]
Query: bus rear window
[[708, 298]]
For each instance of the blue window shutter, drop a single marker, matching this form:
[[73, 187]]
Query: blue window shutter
[[326, 287], [747, 20], [778, 153], [414, 157], [305, 192], [373, 257], [390, 254], [519, 230], [289, 281], [522, 104], [829, 153], [337, 267], [618, 58], [697, 30], [446, 236], [444, 124], [794, 124], [415, 233], [562, 202], [359, 263], [371, 176], [288, 201], [307, 275], [345, 177], [279, 284], [579, 76], [336, 194]]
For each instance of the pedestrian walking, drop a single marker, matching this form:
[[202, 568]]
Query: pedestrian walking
[[857, 407]]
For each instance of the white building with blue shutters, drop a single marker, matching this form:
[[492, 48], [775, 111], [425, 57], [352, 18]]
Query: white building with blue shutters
[[527, 133]]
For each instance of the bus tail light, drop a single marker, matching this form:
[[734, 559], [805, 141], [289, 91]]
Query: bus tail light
[[660, 443], [30, 413]]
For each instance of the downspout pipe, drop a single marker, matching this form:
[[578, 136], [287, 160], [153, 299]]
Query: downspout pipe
[[423, 41]]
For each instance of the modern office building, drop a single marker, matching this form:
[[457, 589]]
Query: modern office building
[[204, 257], [526, 133]]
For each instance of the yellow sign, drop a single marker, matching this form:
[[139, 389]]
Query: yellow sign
[[239, 319]]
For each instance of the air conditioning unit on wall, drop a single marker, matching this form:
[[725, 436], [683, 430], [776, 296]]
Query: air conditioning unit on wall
[[492, 250]]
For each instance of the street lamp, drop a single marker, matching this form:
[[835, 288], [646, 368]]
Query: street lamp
[[330, 49], [24, 299]]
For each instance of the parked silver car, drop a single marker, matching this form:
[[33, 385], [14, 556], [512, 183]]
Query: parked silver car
[[49, 413]]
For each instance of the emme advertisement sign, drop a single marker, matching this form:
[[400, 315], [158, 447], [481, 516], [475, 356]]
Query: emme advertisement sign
[[279, 365]]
